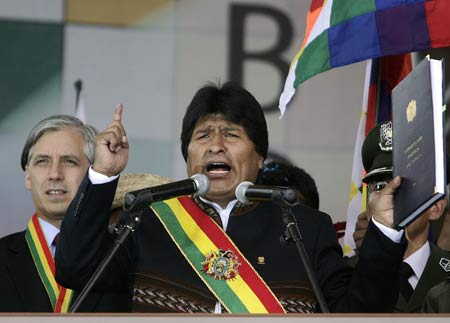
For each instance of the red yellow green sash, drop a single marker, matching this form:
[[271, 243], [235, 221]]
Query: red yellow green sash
[[59, 296], [215, 258]]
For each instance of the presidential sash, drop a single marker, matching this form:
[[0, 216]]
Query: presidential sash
[[59, 296], [215, 258]]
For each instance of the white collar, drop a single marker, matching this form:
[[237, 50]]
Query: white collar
[[224, 213], [418, 260], [49, 230]]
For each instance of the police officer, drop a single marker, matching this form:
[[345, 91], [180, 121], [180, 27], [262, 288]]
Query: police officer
[[423, 262]]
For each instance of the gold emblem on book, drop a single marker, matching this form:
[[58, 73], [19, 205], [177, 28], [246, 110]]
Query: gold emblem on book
[[411, 110]]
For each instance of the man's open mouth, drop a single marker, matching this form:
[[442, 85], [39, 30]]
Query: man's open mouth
[[218, 168], [55, 192]]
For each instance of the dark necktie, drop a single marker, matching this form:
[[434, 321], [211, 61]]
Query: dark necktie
[[405, 287], [54, 245], [56, 240]]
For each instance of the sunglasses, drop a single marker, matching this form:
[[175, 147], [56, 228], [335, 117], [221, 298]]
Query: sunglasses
[[376, 186]]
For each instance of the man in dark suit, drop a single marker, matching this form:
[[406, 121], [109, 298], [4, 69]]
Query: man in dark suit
[[55, 158], [194, 254], [424, 264]]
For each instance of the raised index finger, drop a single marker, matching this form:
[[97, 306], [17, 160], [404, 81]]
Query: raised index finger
[[118, 113]]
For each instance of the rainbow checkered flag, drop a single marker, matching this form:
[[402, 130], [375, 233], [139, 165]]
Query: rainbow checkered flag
[[342, 32]]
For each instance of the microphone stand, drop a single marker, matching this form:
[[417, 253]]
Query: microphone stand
[[283, 198], [134, 218]]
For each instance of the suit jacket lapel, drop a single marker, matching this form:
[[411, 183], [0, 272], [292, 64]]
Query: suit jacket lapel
[[30, 289], [25, 277]]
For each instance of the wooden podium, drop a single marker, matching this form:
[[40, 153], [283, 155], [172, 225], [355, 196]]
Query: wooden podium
[[223, 318]]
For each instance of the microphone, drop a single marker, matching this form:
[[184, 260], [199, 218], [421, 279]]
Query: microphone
[[246, 192], [197, 183]]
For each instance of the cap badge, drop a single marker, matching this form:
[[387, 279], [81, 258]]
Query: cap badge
[[221, 265], [386, 137]]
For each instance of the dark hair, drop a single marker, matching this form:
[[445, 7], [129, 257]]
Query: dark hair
[[236, 104], [55, 123], [277, 173]]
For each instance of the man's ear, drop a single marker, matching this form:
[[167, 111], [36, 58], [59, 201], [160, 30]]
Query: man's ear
[[260, 162], [437, 209], [27, 178]]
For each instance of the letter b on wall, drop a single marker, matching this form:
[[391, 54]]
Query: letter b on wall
[[238, 55]]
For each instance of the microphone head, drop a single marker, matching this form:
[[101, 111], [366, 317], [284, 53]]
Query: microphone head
[[202, 183], [290, 195], [78, 85], [240, 191]]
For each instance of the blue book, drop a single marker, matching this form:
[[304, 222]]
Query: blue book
[[418, 141]]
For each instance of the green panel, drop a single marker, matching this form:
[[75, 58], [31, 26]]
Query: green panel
[[30, 63], [315, 59], [345, 9]]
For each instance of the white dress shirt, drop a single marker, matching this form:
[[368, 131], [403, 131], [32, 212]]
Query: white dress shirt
[[418, 260]]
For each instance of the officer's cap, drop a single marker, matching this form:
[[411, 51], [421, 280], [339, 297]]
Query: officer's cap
[[377, 152]]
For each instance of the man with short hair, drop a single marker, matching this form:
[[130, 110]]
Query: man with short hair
[[212, 253], [55, 158], [278, 173]]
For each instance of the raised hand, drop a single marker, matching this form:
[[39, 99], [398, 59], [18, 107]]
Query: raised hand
[[111, 147], [381, 204], [360, 228]]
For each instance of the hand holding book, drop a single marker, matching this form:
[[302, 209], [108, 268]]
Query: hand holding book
[[381, 204]]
